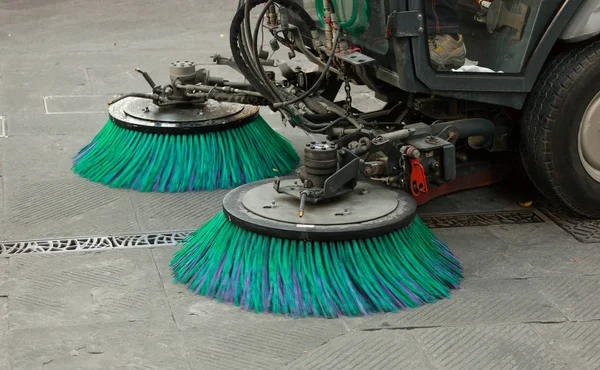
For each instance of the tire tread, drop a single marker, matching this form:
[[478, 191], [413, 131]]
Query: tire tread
[[539, 119]]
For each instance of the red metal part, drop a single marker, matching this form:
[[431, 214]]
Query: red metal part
[[418, 181], [485, 177]]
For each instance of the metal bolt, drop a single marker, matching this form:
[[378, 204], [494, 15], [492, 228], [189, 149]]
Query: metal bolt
[[363, 191], [346, 211], [272, 203], [419, 17], [432, 140], [420, 29], [146, 110]]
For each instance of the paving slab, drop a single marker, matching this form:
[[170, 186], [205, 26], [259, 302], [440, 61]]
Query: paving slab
[[4, 355], [134, 24], [114, 58], [181, 211], [4, 267], [14, 101], [479, 302], [475, 247], [77, 104], [41, 156], [490, 347], [544, 260], [386, 349], [247, 344], [58, 80], [2, 207], [579, 343], [532, 234], [133, 345], [54, 290], [83, 127], [577, 296], [61, 207]]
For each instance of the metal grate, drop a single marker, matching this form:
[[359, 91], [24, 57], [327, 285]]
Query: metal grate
[[165, 239], [93, 243], [480, 219], [583, 229]]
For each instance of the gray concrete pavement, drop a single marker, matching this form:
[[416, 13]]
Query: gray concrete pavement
[[529, 300]]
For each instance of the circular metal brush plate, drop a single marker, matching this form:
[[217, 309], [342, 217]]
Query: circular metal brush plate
[[356, 215], [142, 115], [368, 202]]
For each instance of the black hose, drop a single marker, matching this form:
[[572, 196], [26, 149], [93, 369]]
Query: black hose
[[248, 52], [254, 49], [234, 34], [321, 118], [321, 77], [329, 125]]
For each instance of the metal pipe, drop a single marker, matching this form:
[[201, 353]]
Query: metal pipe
[[208, 89], [396, 135], [470, 128]]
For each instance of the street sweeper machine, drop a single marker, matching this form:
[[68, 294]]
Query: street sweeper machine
[[472, 89], [468, 86]]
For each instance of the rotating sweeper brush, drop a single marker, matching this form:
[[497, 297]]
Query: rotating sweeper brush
[[196, 133], [324, 244]]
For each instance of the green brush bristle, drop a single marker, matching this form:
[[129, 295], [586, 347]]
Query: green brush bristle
[[122, 158], [406, 268]]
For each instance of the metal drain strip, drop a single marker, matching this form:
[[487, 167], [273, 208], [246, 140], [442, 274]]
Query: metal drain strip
[[583, 229], [166, 239], [82, 244], [480, 219]]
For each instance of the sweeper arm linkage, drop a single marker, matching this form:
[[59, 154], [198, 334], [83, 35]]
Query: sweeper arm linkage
[[388, 145], [439, 131]]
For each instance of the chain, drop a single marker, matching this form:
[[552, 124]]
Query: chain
[[348, 96], [347, 88]]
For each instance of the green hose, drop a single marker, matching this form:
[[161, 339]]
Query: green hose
[[351, 25]]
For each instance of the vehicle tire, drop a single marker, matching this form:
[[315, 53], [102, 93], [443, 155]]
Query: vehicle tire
[[560, 130]]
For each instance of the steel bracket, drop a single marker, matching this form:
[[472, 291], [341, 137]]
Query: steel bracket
[[405, 24]]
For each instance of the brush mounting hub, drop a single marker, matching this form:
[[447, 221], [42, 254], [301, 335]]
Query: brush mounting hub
[[142, 115], [370, 210]]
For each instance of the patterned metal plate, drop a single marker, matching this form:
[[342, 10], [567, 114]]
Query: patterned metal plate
[[583, 229], [92, 243], [480, 219], [165, 239]]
